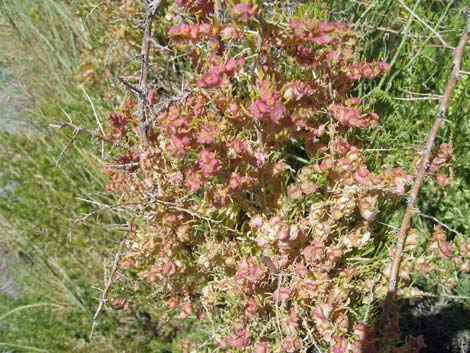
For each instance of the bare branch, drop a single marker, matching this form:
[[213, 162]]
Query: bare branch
[[110, 279], [93, 133], [150, 10], [401, 240], [420, 20], [61, 155]]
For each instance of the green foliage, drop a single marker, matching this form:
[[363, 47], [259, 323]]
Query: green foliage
[[41, 44]]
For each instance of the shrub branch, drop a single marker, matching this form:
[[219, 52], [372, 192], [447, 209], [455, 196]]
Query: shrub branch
[[150, 10], [110, 280], [400, 244]]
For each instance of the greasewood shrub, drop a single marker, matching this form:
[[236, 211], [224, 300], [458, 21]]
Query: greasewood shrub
[[255, 200]]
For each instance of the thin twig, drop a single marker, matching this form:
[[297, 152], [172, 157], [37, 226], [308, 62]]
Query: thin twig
[[62, 153], [441, 223], [93, 133], [420, 20], [185, 210], [28, 348], [109, 282], [446, 296], [98, 121], [132, 88], [416, 98], [393, 279], [151, 7], [36, 305], [364, 188]]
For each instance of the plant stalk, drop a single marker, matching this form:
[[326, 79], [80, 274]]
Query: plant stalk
[[400, 244]]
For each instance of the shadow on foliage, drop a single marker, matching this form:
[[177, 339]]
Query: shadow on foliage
[[444, 324]]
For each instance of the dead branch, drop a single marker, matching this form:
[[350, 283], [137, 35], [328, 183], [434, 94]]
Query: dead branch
[[70, 143], [400, 244], [150, 10], [92, 133], [110, 279]]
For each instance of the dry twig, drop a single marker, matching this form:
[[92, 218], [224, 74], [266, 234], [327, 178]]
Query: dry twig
[[393, 279], [93, 133], [110, 279], [151, 7]]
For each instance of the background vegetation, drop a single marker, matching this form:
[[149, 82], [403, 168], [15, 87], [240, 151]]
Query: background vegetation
[[50, 47]]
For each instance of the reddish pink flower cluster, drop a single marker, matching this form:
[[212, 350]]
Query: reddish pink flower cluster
[[209, 163], [219, 72], [198, 7], [268, 105], [249, 274], [441, 159], [320, 32], [350, 114], [193, 32], [367, 70], [117, 120], [243, 12]]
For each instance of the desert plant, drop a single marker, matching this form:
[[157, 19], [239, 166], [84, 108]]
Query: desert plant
[[256, 203]]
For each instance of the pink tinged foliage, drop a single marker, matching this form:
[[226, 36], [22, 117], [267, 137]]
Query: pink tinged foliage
[[290, 344], [277, 112], [367, 70], [319, 33], [186, 310], [213, 78], [242, 336], [368, 207], [199, 7], [251, 307], [446, 249], [120, 303], [250, 271], [422, 266], [281, 294], [417, 343], [256, 221], [209, 163], [339, 345], [258, 109], [442, 157], [361, 174], [117, 120], [314, 251], [323, 311], [236, 149], [259, 159], [173, 302], [235, 181], [210, 133], [263, 347], [268, 105], [352, 117], [219, 72], [193, 181], [238, 342], [206, 135], [443, 180], [364, 342], [243, 13], [179, 144], [169, 268], [256, 273], [294, 192]]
